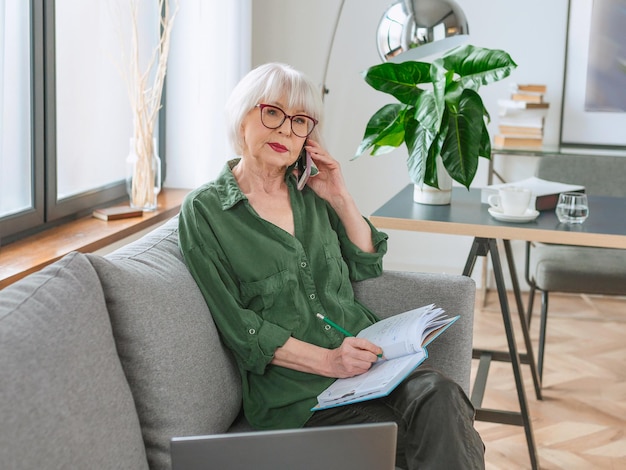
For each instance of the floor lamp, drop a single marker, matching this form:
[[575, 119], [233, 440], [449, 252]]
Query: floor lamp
[[412, 30]]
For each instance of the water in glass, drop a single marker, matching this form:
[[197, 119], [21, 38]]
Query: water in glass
[[572, 208]]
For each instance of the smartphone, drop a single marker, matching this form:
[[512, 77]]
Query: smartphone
[[304, 165]]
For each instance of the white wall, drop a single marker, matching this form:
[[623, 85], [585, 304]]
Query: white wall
[[201, 73], [298, 32]]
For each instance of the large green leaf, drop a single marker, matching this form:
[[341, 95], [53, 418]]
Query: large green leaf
[[384, 130], [478, 66], [426, 112], [420, 132], [462, 142], [485, 143], [430, 177], [439, 79], [399, 80], [418, 139]]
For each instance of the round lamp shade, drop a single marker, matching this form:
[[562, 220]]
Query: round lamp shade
[[413, 29]]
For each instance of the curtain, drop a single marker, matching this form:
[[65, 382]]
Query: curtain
[[210, 52]]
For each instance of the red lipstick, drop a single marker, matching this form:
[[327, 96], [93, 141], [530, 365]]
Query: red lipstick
[[278, 147]]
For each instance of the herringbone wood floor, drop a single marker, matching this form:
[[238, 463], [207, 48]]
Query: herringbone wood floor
[[581, 421]]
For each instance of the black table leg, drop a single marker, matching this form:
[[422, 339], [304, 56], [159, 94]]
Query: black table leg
[[529, 357], [482, 247]]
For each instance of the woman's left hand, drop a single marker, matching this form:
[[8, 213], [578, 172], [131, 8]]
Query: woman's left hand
[[330, 186], [329, 182]]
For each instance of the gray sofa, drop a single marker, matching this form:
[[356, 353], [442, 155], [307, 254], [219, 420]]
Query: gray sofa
[[104, 359]]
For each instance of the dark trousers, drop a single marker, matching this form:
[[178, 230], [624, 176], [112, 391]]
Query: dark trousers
[[435, 422]]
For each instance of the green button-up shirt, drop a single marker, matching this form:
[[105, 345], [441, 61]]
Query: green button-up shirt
[[264, 285]]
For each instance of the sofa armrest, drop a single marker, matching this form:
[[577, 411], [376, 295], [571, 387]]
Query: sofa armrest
[[396, 292]]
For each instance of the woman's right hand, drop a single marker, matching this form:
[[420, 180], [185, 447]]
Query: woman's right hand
[[354, 357]]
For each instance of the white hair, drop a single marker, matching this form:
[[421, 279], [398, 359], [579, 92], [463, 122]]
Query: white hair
[[269, 83]]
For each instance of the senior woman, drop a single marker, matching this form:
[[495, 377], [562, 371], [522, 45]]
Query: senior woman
[[269, 257]]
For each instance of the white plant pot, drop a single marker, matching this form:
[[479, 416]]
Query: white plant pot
[[428, 195]]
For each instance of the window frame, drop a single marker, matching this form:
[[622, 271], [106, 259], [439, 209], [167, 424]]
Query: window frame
[[46, 210]]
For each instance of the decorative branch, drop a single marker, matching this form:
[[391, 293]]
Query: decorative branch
[[145, 99]]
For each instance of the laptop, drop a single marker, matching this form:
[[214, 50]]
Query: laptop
[[346, 447]]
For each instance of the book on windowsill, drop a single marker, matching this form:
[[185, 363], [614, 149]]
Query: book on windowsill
[[545, 192], [116, 212], [403, 339]]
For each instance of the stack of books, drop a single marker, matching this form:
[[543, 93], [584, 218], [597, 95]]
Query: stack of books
[[522, 117]]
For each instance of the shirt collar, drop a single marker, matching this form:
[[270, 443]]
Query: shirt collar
[[229, 191]]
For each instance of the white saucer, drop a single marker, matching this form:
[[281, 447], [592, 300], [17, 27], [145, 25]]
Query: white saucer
[[528, 216]]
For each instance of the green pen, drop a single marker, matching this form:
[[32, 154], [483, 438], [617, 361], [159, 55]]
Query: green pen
[[337, 327]]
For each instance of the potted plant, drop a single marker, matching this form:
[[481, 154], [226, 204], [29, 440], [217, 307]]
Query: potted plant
[[445, 121]]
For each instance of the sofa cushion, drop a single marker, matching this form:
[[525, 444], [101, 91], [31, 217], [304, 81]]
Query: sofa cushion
[[64, 399], [183, 379]]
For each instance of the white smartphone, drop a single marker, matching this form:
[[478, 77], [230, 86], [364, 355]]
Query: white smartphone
[[306, 168]]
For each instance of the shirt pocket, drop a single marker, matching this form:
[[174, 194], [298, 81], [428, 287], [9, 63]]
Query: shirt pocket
[[338, 280], [272, 299]]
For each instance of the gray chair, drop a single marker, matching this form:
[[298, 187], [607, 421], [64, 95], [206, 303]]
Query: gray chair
[[576, 269]]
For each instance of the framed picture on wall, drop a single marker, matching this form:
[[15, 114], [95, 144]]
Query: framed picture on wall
[[594, 95]]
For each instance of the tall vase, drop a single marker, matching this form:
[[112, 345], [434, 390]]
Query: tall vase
[[143, 174], [436, 196]]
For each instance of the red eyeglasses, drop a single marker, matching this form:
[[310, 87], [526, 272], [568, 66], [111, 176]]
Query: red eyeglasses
[[273, 117]]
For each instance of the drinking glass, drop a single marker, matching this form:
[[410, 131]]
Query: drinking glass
[[572, 208]]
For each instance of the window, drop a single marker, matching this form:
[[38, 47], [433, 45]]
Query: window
[[65, 119], [17, 162]]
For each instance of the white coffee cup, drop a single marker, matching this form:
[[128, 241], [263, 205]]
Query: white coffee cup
[[511, 200]]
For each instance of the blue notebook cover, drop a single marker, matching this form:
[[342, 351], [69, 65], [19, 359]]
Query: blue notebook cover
[[386, 374]]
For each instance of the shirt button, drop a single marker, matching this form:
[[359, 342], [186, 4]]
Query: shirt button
[[312, 296], [303, 264], [327, 327], [251, 331]]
